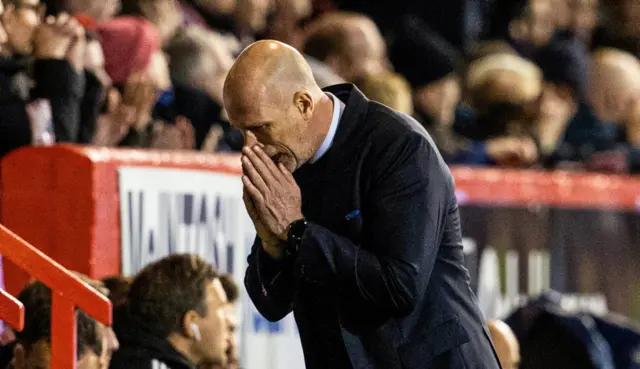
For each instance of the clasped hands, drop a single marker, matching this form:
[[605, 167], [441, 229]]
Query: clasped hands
[[272, 198]]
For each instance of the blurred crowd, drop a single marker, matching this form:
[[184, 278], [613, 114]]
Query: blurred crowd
[[511, 83]]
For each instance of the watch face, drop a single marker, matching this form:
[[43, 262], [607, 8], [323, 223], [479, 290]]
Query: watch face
[[295, 234], [298, 228]]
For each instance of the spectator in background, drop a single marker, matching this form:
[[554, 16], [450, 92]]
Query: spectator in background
[[118, 290], [21, 18], [32, 350], [565, 126], [348, 43], [175, 317], [251, 18], [233, 293], [97, 85], [323, 74], [505, 343], [583, 18], [168, 114], [623, 335], [614, 94], [199, 58], [96, 11], [136, 65], [552, 337], [526, 24], [390, 89], [110, 342], [614, 85], [164, 14], [215, 15], [40, 62], [241, 19], [284, 24], [503, 90], [433, 74]]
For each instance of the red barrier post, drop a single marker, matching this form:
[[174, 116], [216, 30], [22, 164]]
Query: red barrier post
[[67, 292]]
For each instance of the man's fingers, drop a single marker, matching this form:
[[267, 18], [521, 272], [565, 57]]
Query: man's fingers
[[259, 150], [252, 190], [255, 177], [286, 174], [260, 166], [248, 203]]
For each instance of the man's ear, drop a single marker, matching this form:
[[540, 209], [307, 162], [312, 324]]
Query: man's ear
[[19, 357], [304, 103], [190, 320]]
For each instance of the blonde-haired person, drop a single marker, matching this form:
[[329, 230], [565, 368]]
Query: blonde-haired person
[[388, 88], [504, 90]]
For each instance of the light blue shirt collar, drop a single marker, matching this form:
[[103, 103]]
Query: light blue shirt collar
[[328, 140]]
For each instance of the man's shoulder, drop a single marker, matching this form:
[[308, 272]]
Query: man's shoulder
[[391, 128]]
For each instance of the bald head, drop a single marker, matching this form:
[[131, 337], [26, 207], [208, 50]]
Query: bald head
[[618, 63], [506, 344], [271, 95], [614, 84], [267, 72]]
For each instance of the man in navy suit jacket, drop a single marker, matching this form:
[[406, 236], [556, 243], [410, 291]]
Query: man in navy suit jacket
[[362, 242]]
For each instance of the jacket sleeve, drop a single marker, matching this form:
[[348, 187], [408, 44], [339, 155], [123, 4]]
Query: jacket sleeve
[[58, 82], [270, 283], [403, 220]]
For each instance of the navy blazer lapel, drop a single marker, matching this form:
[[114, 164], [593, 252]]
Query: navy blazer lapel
[[352, 124], [354, 113]]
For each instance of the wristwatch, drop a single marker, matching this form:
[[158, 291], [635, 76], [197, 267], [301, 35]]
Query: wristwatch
[[294, 236]]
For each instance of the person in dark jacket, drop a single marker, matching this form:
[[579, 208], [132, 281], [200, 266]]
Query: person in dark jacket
[[51, 73], [623, 336], [362, 242], [175, 317], [567, 129], [551, 337]]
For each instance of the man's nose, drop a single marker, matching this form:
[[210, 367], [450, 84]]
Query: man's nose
[[250, 139]]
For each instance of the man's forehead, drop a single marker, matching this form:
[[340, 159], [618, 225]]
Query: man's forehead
[[248, 115], [217, 292]]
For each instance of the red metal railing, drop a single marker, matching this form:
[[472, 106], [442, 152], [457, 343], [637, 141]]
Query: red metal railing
[[11, 310], [68, 292]]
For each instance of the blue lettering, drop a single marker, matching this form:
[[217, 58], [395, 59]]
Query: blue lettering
[[260, 324], [184, 222]]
